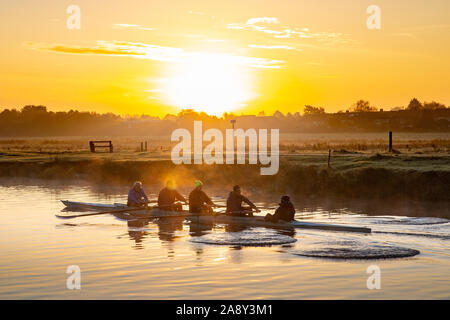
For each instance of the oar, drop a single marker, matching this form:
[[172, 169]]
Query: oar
[[106, 212], [224, 206], [215, 205], [234, 212]]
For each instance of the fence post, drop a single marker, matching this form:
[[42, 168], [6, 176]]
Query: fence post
[[329, 158], [146, 146], [142, 146], [390, 141]]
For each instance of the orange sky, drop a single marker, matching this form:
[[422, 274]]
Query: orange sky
[[156, 57]]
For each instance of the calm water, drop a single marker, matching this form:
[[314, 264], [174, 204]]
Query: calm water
[[158, 259]]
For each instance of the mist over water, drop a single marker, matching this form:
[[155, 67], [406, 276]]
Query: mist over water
[[170, 258]]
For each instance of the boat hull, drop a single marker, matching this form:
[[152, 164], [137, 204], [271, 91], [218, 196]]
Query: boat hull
[[132, 214], [74, 205], [250, 221], [151, 214], [260, 222]]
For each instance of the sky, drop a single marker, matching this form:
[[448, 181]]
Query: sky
[[246, 56]]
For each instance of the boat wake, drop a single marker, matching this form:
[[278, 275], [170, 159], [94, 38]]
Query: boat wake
[[354, 249], [252, 238], [414, 221], [414, 234]]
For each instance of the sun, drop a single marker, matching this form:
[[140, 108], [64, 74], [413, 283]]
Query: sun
[[210, 83]]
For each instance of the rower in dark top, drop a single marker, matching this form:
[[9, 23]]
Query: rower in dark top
[[234, 204], [137, 196], [285, 211], [199, 202], [168, 196]]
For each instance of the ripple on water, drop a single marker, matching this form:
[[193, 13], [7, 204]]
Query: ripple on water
[[414, 221], [354, 249], [250, 237]]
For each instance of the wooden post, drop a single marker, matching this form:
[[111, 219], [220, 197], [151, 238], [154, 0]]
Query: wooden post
[[92, 146], [329, 158], [146, 146], [142, 146], [390, 141]]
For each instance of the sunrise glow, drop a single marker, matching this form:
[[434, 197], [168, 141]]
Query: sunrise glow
[[217, 57], [208, 83]]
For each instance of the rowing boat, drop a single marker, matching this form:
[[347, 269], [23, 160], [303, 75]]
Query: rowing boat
[[260, 222], [194, 218], [121, 208], [74, 205]]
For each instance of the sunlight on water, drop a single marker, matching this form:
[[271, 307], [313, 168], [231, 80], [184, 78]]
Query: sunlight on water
[[167, 258]]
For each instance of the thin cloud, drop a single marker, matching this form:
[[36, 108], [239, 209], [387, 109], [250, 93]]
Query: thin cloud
[[131, 26], [115, 48], [267, 20], [285, 32], [155, 53], [281, 47]]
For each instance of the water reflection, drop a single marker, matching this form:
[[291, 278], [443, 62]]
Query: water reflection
[[200, 229], [137, 232], [167, 229]]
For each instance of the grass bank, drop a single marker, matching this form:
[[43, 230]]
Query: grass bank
[[351, 176]]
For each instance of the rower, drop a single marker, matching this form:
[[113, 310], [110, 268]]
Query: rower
[[168, 196], [285, 211], [137, 196], [199, 202], [234, 204]]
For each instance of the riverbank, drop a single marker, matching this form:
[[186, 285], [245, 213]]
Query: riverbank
[[356, 176]]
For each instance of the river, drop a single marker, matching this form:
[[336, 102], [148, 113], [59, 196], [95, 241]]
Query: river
[[172, 259]]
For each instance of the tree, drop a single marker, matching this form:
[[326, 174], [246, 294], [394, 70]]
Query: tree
[[433, 105], [363, 106], [278, 114], [414, 105], [34, 109], [311, 110]]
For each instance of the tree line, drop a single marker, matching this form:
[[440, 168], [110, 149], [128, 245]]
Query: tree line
[[361, 117], [364, 106]]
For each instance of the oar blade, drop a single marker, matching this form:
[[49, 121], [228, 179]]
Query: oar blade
[[65, 217]]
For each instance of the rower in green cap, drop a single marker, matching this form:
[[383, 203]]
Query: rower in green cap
[[199, 202]]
